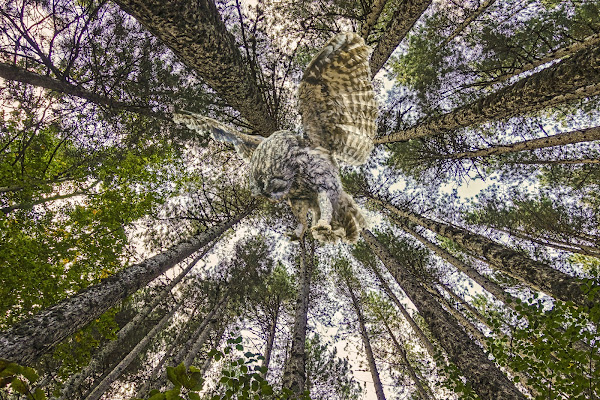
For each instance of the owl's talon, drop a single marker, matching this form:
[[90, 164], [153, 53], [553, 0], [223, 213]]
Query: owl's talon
[[322, 231]]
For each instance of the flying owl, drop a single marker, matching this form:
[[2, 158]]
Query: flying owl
[[338, 108]]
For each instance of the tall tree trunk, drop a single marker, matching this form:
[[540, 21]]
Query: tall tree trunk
[[195, 31], [294, 373], [488, 285], [561, 139], [76, 380], [14, 73], [145, 388], [405, 16], [205, 328], [485, 378], [28, 340], [416, 328], [425, 394], [366, 342], [370, 19], [592, 40], [538, 275], [556, 162], [103, 386], [270, 342], [574, 78]]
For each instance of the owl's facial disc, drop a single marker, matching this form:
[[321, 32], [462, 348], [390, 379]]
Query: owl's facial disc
[[276, 188]]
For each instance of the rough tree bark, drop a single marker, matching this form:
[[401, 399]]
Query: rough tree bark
[[76, 380], [537, 275], [294, 373], [103, 386], [371, 17], [28, 340], [576, 77], [14, 73], [195, 31], [405, 16], [366, 342], [483, 375]]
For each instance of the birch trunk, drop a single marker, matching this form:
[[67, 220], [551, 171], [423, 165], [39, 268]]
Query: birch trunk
[[425, 394], [103, 386], [405, 16], [538, 275], [14, 73], [574, 78], [416, 328], [75, 381], [367, 343], [294, 373], [195, 31], [561, 139], [28, 340], [486, 379]]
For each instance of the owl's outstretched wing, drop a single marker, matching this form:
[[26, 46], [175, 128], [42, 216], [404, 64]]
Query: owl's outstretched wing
[[244, 144], [337, 101]]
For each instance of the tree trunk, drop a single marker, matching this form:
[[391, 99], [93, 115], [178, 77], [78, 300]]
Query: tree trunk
[[195, 31], [492, 287], [416, 328], [481, 9], [425, 394], [592, 40], [367, 343], [294, 373], [76, 380], [14, 73], [405, 16], [485, 378], [574, 78], [371, 17], [536, 274], [28, 340], [103, 386], [561, 139], [145, 388], [270, 342], [204, 329]]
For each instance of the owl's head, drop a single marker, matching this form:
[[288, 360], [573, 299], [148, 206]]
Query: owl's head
[[273, 188]]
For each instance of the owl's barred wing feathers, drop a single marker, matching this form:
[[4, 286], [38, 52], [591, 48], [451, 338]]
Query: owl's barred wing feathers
[[337, 101], [244, 144]]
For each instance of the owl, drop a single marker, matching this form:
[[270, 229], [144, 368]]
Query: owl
[[338, 109]]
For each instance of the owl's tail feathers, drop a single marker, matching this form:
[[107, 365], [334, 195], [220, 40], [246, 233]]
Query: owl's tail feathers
[[348, 216], [244, 144]]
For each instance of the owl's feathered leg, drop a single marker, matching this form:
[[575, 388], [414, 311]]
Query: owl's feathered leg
[[300, 210], [322, 229]]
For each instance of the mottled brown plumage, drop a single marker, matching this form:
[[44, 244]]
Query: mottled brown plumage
[[338, 110]]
